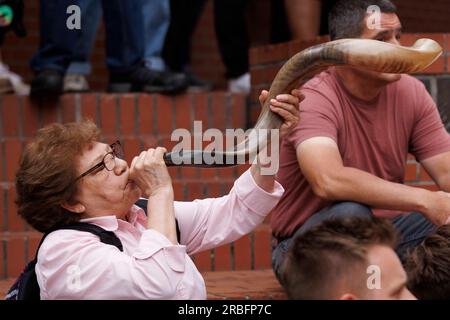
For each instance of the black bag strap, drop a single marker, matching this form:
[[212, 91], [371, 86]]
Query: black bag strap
[[105, 236], [142, 203]]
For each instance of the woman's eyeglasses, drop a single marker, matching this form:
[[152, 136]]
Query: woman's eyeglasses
[[109, 160]]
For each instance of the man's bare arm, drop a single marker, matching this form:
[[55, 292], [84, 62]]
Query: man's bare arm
[[322, 165]]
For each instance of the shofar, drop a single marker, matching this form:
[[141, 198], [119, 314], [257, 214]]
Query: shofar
[[362, 53]]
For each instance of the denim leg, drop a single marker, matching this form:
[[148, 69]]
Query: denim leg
[[413, 228], [56, 45], [124, 29], [91, 11], [339, 210], [156, 15]]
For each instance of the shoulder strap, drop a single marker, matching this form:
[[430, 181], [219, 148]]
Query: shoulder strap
[[105, 236], [142, 203]]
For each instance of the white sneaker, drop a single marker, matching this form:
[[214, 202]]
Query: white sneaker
[[12, 82], [74, 82], [240, 84]]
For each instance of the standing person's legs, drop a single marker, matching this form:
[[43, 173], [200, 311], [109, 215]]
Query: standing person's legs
[[413, 228], [55, 48], [91, 11], [124, 35], [156, 14], [79, 67], [231, 30], [338, 210], [184, 17]]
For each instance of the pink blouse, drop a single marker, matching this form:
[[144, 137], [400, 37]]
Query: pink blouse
[[76, 265]]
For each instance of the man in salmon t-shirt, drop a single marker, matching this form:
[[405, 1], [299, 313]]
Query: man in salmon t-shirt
[[347, 155]]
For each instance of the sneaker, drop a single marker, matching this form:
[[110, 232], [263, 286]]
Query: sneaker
[[47, 82], [150, 81], [74, 82], [11, 82], [240, 84]]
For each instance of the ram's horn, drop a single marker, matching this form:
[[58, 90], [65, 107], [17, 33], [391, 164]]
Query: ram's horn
[[362, 53]]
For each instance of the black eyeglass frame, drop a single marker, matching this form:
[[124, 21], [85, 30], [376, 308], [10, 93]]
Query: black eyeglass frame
[[116, 152]]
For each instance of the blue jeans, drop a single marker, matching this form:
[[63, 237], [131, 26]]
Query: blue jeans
[[91, 11], [413, 228], [124, 34], [156, 15]]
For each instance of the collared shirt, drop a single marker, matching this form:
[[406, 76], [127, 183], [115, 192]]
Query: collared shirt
[[75, 265]]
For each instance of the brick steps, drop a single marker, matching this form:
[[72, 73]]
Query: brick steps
[[239, 285]]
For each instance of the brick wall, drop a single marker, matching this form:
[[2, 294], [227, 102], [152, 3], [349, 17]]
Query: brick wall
[[416, 16]]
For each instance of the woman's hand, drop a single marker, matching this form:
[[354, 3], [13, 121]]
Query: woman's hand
[[287, 106], [150, 173]]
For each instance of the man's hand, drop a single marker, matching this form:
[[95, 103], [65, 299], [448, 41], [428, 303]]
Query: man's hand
[[287, 106], [437, 207]]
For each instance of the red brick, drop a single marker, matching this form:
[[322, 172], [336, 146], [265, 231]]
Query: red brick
[[201, 112], [183, 112], [33, 242], [195, 191], [149, 141], [15, 255], [108, 104], [30, 117], [189, 172], [268, 53], [430, 187], [132, 148], [127, 114], [213, 190], [178, 189], [242, 253], [242, 168], [13, 150], [49, 110], [238, 113], [208, 174], [68, 107], [218, 110], [15, 222], [88, 102], [146, 116], [222, 258], [10, 116], [164, 114], [411, 172], [203, 261], [2, 260], [423, 175], [262, 247]]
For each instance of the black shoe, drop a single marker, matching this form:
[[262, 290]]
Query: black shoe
[[47, 82], [195, 84], [150, 81]]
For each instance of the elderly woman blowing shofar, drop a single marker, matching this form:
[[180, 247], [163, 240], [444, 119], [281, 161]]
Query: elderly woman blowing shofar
[[67, 175]]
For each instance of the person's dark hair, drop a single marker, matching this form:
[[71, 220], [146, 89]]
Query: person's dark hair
[[45, 178], [346, 19], [428, 266], [331, 254]]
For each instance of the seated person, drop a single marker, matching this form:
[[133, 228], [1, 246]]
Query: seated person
[[428, 266], [67, 175], [342, 258]]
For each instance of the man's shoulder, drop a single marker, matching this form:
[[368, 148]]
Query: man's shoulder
[[408, 83]]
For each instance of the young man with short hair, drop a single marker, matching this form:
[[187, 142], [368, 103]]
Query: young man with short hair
[[347, 259]]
